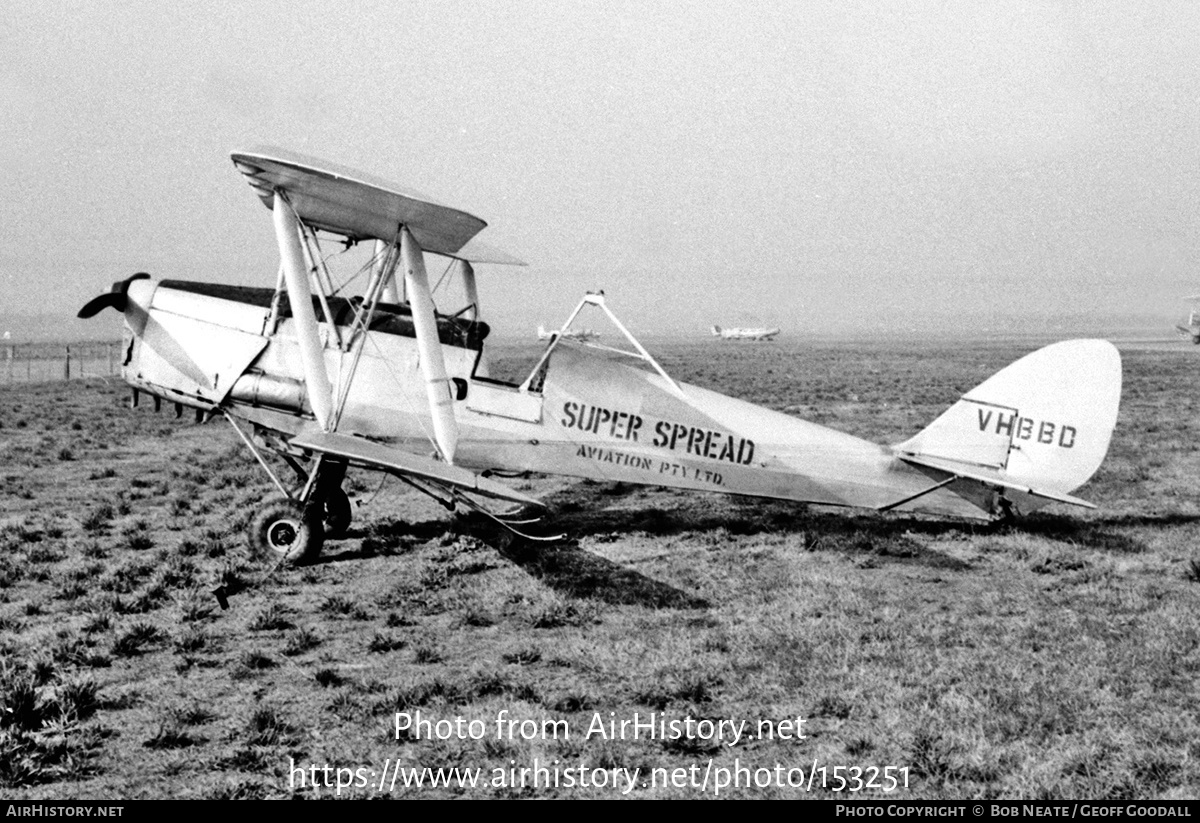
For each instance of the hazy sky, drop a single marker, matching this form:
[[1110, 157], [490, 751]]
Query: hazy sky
[[816, 165]]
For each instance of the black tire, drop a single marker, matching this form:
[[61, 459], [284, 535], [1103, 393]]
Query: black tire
[[284, 530], [337, 513]]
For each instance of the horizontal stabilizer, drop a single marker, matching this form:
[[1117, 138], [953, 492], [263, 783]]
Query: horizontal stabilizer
[[378, 455], [358, 205], [992, 477]]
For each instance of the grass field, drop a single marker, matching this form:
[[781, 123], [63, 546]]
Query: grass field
[[1058, 658]]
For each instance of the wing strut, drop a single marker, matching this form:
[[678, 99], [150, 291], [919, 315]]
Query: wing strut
[[384, 268], [433, 367], [316, 379], [468, 279]]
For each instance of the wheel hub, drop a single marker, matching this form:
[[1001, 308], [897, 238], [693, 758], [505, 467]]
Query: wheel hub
[[282, 533]]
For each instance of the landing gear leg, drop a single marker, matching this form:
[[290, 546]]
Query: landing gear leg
[[291, 528], [1007, 515], [331, 501], [284, 529], [325, 493]]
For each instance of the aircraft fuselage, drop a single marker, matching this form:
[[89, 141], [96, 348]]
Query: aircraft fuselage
[[588, 415]]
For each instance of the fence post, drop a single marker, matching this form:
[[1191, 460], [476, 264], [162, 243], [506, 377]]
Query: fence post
[[67, 365]]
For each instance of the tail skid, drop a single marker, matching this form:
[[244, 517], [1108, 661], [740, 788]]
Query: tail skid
[[1031, 433]]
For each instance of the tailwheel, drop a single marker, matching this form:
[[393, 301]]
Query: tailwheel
[[337, 513], [286, 530]]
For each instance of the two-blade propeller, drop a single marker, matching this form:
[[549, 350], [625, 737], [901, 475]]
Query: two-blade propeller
[[114, 298]]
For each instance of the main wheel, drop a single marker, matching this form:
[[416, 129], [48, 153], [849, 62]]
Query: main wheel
[[284, 529], [337, 513]]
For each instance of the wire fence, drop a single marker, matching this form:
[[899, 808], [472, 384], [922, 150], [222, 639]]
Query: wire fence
[[44, 362]]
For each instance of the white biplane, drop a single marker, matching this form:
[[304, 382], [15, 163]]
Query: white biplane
[[383, 380]]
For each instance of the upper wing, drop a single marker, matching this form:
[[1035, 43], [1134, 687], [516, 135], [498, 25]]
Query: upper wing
[[359, 206]]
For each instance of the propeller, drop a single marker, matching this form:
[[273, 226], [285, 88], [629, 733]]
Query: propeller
[[114, 298]]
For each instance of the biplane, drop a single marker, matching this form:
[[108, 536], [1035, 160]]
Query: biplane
[[329, 376], [744, 334]]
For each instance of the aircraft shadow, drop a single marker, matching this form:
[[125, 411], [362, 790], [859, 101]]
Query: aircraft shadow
[[1101, 533], [577, 573], [587, 509], [581, 511], [610, 510], [562, 565]]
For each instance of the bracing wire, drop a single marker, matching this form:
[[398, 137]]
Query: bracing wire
[[445, 273]]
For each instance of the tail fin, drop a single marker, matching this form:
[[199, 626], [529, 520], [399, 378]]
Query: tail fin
[[716, 330], [1041, 425]]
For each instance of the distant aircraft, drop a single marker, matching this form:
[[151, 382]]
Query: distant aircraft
[[744, 334], [582, 335], [1192, 330]]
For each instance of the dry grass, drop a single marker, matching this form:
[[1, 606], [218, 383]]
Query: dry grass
[[1059, 658]]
